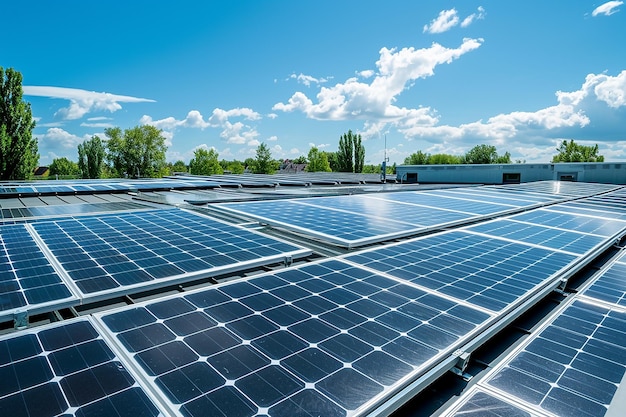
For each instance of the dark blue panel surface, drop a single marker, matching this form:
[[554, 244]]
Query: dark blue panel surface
[[109, 252], [66, 369], [488, 272], [574, 366], [26, 276], [328, 335]]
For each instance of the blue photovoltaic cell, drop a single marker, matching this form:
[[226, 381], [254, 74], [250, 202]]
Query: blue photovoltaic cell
[[333, 224], [69, 209], [574, 366], [101, 253], [360, 219], [482, 404], [610, 287], [581, 207], [26, 276], [572, 222], [66, 370], [321, 339], [559, 239], [490, 273]]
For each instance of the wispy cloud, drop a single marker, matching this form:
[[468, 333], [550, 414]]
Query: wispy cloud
[[447, 19], [479, 15], [82, 101], [308, 79], [607, 9]]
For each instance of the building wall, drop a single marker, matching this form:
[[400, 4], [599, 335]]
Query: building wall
[[602, 172]]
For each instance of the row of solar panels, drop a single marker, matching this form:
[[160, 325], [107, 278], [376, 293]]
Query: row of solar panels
[[49, 264], [343, 336], [369, 218], [573, 365], [88, 258]]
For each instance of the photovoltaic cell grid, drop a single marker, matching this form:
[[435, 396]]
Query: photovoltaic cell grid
[[325, 339], [66, 210], [560, 231], [66, 370], [488, 272], [573, 367], [357, 220], [111, 252], [27, 279], [483, 404], [562, 188], [610, 286]]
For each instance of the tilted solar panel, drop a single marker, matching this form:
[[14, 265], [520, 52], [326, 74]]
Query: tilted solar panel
[[27, 279], [326, 338], [66, 369], [116, 253]]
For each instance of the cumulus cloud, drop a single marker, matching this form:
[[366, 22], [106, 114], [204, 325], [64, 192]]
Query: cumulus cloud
[[607, 9], [237, 133], [397, 70], [446, 20], [82, 101], [534, 135]]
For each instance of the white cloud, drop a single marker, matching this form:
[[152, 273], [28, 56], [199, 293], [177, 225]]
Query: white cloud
[[272, 139], [366, 73], [253, 143], [308, 79], [397, 70], [56, 137], [607, 9], [479, 15], [82, 101], [446, 20], [101, 125]]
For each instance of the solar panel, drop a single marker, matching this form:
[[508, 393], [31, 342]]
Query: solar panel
[[573, 367], [488, 272], [66, 369], [68, 210], [326, 338], [610, 285], [27, 279], [357, 220], [108, 254]]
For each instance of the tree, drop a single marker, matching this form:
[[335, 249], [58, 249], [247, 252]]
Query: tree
[[63, 166], [264, 164], [235, 167], [318, 161], [300, 160], [351, 153], [444, 159], [19, 154], [417, 158], [205, 162], [573, 152], [179, 166], [332, 160], [481, 154], [91, 158], [139, 151]]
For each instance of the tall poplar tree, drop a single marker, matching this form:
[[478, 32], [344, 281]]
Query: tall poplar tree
[[351, 153], [19, 153]]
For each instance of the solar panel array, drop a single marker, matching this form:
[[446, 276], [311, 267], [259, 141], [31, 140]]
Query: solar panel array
[[103, 256], [340, 336], [326, 339], [358, 220], [22, 213], [574, 364]]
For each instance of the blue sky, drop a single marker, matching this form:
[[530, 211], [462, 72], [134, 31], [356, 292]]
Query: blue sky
[[436, 76]]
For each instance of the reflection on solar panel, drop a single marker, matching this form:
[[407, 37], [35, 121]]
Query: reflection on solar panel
[[65, 210], [358, 220], [66, 370], [118, 252], [487, 272], [482, 404], [573, 367], [610, 286], [27, 280], [325, 339]]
